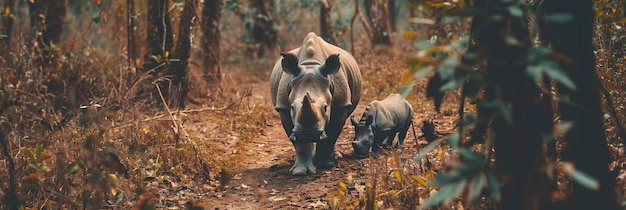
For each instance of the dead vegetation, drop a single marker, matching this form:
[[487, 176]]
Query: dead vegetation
[[80, 134]]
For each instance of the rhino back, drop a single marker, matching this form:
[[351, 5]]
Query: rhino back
[[346, 82], [394, 112]]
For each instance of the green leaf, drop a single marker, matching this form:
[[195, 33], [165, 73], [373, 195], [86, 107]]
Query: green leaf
[[445, 195], [424, 45], [39, 150], [71, 169], [422, 153], [463, 12], [118, 197], [453, 83], [449, 19], [494, 187], [29, 154], [451, 61], [501, 107], [32, 165], [534, 72], [446, 179], [464, 169], [47, 125], [423, 72], [555, 73], [468, 119], [580, 177], [585, 180], [406, 89], [454, 139], [476, 186], [474, 158], [515, 11], [96, 19], [149, 179], [559, 17]]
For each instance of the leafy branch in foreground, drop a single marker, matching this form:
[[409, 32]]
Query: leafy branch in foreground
[[499, 68]]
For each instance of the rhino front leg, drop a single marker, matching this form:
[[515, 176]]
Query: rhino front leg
[[376, 146], [304, 160], [304, 152], [325, 156]]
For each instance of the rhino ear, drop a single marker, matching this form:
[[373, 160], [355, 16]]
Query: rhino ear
[[331, 66], [290, 63]]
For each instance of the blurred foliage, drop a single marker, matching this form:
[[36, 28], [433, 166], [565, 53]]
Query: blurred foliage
[[84, 137], [457, 68]]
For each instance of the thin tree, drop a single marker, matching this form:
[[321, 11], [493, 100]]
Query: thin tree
[[211, 38], [264, 33], [179, 67], [326, 30], [517, 139], [46, 20], [393, 14], [7, 24], [586, 142], [130, 33], [160, 37], [378, 17]]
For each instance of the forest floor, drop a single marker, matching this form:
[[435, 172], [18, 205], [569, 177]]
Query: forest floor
[[260, 178]]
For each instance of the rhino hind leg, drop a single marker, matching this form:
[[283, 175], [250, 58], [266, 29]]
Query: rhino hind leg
[[304, 160], [402, 136], [389, 141]]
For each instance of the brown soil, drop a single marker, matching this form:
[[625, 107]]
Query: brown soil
[[261, 178]]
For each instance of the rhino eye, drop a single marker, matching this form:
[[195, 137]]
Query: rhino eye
[[325, 107]]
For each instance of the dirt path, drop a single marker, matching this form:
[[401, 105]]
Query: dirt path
[[262, 180]]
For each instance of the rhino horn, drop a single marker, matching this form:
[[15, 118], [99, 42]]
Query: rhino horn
[[307, 114], [354, 122]]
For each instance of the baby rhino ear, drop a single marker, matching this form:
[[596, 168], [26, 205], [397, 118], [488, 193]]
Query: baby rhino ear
[[331, 66], [290, 63]]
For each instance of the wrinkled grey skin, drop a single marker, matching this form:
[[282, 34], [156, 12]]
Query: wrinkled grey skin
[[381, 120], [315, 88]]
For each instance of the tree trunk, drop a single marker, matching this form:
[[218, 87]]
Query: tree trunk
[[179, 67], [7, 24], [326, 30], [378, 17], [160, 38], [392, 15], [47, 17], [517, 140], [586, 142], [130, 34], [264, 34], [211, 46]]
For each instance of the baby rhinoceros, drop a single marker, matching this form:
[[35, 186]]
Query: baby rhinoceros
[[381, 120]]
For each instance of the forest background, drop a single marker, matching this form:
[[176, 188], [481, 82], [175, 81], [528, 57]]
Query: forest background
[[165, 103]]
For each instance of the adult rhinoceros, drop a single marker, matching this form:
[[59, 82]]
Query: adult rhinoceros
[[315, 87]]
